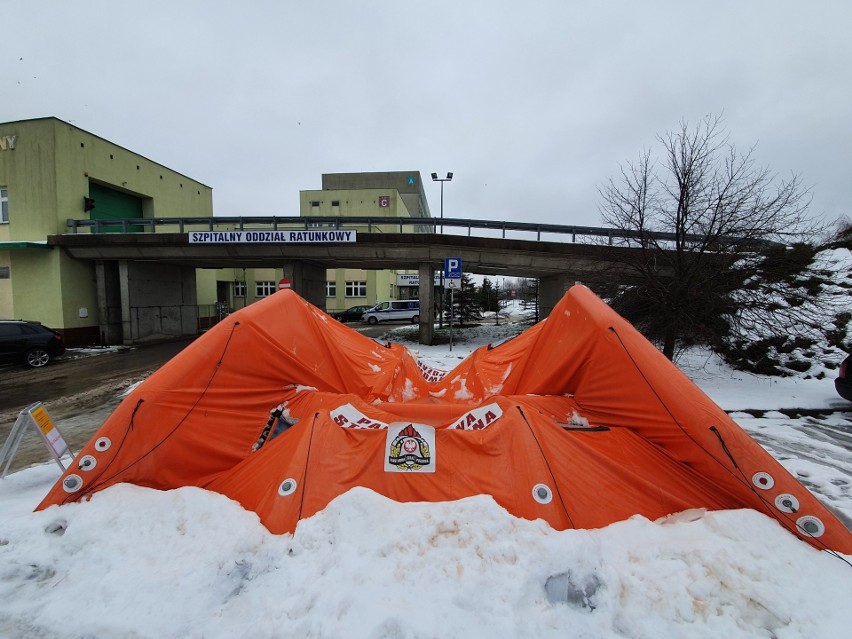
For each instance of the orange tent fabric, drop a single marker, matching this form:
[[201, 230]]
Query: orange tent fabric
[[578, 421]]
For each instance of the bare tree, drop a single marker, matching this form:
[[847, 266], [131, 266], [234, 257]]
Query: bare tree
[[711, 233]]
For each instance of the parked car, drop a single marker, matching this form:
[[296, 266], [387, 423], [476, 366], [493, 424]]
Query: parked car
[[843, 383], [29, 342], [399, 310], [352, 314]]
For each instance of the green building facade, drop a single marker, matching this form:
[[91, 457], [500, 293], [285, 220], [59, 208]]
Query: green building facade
[[52, 171]]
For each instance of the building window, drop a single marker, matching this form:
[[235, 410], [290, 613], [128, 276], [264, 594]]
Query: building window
[[331, 289], [4, 204], [356, 289], [239, 289], [315, 204], [4, 273], [263, 289]]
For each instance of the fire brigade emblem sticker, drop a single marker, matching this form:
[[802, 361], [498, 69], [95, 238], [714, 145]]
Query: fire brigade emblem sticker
[[410, 448]]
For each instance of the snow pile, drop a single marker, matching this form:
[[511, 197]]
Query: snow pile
[[189, 563]]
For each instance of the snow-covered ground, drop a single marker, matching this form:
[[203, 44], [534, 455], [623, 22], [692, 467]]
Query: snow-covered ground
[[134, 562]]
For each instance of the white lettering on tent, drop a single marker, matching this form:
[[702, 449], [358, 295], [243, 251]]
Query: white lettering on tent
[[478, 419], [347, 416]]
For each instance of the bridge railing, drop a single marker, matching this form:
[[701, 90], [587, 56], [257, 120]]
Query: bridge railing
[[454, 226]]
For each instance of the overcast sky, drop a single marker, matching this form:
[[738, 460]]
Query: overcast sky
[[532, 105]]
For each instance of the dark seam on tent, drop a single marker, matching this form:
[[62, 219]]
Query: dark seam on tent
[[716, 432], [88, 491], [583, 429], [103, 480], [133, 415], [549, 469], [305, 474], [781, 517], [770, 506]]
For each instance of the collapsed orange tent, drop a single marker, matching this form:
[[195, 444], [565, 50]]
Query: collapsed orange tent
[[578, 421]]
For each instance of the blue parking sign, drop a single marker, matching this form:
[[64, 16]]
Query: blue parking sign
[[452, 267]]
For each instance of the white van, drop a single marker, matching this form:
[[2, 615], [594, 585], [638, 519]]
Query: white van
[[399, 310]]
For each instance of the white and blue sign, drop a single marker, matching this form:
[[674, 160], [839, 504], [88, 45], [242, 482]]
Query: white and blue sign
[[272, 237], [452, 268]]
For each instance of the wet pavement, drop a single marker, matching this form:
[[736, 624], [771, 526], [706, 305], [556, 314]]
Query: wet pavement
[[80, 372]]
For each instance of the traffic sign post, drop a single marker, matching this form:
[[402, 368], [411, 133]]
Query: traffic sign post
[[453, 278]]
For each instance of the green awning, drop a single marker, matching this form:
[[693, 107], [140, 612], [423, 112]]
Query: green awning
[[12, 245]]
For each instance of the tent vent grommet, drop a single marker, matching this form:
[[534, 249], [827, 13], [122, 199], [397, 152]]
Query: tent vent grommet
[[87, 463], [762, 480], [287, 487], [103, 444], [787, 503], [542, 493], [72, 483], [811, 526]]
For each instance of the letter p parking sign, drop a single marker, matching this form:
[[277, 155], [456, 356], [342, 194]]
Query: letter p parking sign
[[452, 267]]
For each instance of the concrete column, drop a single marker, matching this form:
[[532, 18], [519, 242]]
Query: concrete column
[[551, 289], [103, 309], [308, 280], [427, 304], [127, 323], [109, 302]]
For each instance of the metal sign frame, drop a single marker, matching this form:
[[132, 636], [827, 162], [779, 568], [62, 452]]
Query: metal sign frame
[[35, 415]]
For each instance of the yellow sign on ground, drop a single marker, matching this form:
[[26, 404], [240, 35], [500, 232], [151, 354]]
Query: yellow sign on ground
[[48, 429], [41, 421]]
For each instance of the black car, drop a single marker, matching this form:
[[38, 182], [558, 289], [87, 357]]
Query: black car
[[351, 314], [28, 342], [843, 383]]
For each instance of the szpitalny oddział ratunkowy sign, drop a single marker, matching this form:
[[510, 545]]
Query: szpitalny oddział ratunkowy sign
[[271, 237]]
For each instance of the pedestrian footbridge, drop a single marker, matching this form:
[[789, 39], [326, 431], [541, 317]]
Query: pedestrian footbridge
[[304, 247]]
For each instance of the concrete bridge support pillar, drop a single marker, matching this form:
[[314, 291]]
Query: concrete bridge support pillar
[[308, 280], [551, 289], [158, 301], [109, 302], [427, 304]]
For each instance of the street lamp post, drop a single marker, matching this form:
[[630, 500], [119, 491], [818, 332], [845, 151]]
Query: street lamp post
[[435, 178]]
